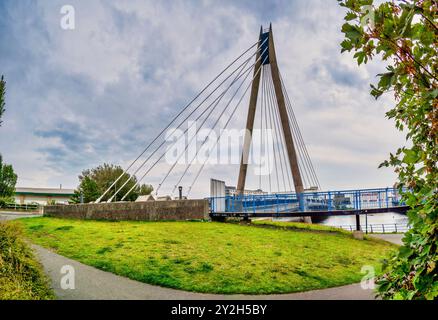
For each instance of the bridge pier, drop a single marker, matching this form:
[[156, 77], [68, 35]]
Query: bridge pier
[[358, 222]]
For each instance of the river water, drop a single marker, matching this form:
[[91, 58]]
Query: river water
[[377, 219], [378, 223]]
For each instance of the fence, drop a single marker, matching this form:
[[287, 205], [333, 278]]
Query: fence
[[379, 228], [20, 207]]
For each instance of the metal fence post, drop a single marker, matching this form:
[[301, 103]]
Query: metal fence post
[[301, 201], [387, 199], [359, 199], [366, 222], [329, 201], [380, 198]]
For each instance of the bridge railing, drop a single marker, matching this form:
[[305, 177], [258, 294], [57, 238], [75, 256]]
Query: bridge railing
[[309, 201], [380, 228], [20, 207]]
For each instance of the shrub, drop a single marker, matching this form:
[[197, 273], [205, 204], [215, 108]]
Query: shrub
[[21, 276]]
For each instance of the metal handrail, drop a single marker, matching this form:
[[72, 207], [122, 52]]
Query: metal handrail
[[379, 227], [25, 207]]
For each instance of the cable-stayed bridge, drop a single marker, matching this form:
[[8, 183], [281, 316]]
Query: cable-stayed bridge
[[272, 134]]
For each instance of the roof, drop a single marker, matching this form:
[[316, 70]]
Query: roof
[[44, 191], [149, 197]]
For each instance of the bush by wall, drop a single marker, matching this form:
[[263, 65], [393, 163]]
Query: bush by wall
[[21, 276]]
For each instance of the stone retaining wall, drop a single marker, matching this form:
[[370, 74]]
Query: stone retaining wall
[[140, 211]]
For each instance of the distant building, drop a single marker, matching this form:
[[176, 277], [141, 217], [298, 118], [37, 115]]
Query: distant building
[[232, 191], [42, 196], [152, 197]]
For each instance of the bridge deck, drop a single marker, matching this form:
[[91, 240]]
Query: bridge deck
[[313, 204], [399, 209]]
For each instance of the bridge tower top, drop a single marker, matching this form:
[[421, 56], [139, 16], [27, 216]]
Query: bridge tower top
[[268, 57]]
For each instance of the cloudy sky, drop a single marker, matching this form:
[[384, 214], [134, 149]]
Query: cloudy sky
[[101, 92]]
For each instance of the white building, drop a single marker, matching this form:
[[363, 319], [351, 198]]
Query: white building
[[232, 191], [42, 196]]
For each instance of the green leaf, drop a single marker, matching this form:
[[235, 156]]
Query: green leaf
[[346, 45], [353, 33], [410, 157], [386, 80], [350, 16], [405, 252]]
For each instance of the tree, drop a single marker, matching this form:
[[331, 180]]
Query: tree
[[8, 180], [88, 191], [94, 182], [404, 35], [2, 98]]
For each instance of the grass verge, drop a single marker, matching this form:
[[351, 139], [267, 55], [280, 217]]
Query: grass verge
[[21, 276], [211, 257]]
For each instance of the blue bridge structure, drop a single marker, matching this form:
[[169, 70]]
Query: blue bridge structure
[[313, 204]]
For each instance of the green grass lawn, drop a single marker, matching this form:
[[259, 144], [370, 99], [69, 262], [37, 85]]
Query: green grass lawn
[[212, 257]]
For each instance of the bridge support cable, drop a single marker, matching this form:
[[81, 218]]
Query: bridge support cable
[[272, 125], [264, 107], [276, 126], [162, 156], [247, 72], [304, 164], [281, 139], [164, 153], [175, 129], [218, 98], [261, 138], [258, 44], [226, 125], [301, 163], [203, 143], [308, 163], [299, 138], [240, 67]]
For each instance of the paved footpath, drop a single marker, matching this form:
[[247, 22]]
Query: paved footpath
[[94, 284], [10, 215]]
